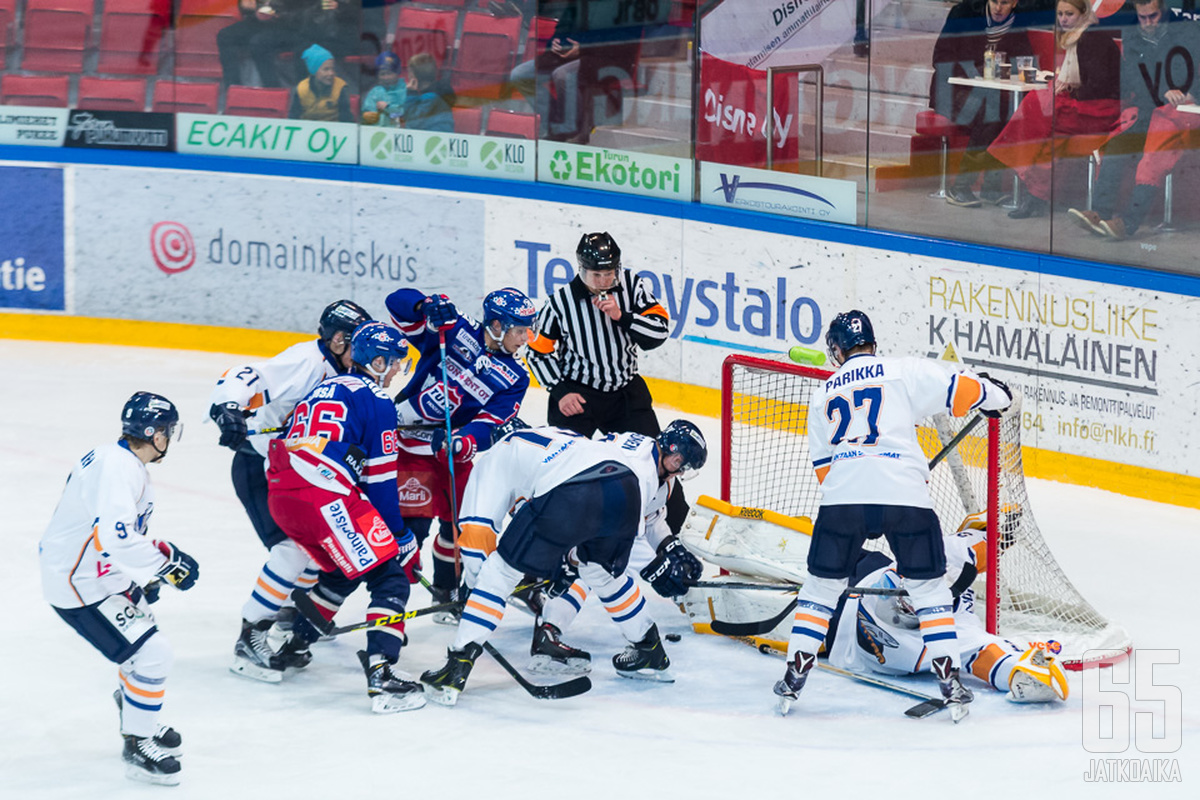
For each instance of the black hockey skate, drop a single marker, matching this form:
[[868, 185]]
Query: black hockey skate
[[166, 738], [440, 596], [447, 683], [146, 761], [285, 619], [549, 656], [956, 695], [390, 692], [645, 660], [294, 654], [531, 597], [253, 655], [788, 688]]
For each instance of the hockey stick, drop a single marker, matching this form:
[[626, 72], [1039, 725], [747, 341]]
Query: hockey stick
[[953, 443], [928, 705], [767, 625], [555, 691], [450, 459], [791, 587], [306, 606]]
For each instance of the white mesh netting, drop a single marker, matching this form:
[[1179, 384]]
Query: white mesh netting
[[767, 465]]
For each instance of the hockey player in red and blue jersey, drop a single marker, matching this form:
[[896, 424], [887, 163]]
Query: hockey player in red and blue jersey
[[332, 488], [487, 384]]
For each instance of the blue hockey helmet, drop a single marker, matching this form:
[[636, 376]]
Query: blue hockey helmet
[[598, 251], [342, 315], [374, 339], [147, 413], [683, 438], [511, 307], [847, 331]]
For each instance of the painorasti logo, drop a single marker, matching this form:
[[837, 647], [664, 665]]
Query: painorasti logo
[[381, 145], [730, 186], [492, 156], [436, 150], [560, 165], [172, 247]]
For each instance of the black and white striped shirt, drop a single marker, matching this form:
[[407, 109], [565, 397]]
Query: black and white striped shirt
[[577, 342]]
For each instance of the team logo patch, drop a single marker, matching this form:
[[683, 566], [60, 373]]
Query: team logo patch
[[379, 534]]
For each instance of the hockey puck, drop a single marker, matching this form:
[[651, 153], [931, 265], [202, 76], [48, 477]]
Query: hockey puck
[[674, 637]]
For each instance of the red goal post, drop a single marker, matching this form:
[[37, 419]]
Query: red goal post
[[765, 463]]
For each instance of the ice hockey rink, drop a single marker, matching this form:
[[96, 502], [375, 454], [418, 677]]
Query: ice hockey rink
[[712, 734]]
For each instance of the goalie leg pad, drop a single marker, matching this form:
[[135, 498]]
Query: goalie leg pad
[[1037, 678]]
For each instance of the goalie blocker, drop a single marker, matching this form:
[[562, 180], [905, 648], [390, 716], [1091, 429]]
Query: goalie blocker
[[872, 633]]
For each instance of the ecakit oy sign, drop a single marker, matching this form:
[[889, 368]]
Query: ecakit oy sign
[[256, 137]]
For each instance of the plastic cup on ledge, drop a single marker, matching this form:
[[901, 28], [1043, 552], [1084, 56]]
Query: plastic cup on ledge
[[1004, 71]]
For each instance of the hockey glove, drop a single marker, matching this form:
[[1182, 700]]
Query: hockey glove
[[439, 312], [673, 570], [409, 555], [181, 570], [151, 590], [1002, 386], [464, 446], [232, 422]]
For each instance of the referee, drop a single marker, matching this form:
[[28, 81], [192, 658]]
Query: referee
[[586, 350]]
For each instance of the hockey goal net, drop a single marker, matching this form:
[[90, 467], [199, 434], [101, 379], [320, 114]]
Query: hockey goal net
[[1024, 594]]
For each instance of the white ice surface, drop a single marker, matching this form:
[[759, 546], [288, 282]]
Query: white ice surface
[[712, 734]]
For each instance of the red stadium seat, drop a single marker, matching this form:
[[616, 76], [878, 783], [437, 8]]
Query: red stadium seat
[[130, 34], [249, 101], [56, 35], [512, 123], [111, 94], [422, 30], [196, 27], [29, 90], [486, 53], [467, 120], [190, 98]]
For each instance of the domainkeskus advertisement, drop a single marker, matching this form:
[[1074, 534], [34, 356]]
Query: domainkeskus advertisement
[[32, 272]]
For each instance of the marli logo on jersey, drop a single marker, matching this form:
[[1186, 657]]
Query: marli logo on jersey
[[414, 494], [378, 535]]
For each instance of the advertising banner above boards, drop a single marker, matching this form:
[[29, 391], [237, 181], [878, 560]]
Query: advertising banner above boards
[[779, 33], [261, 252], [32, 272], [1094, 361], [824, 199], [258, 137], [121, 130], [453, 153], [615, 170], [34, 126]]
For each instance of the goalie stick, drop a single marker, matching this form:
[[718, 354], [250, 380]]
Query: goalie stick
[[928, 705], [767, 625], [555, 691]]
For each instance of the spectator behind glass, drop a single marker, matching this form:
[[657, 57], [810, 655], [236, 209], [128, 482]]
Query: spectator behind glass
[[972, 27], [322, 95], [1158, 73], [430, 97], [1073, 116], [267, 29], [384, 104]]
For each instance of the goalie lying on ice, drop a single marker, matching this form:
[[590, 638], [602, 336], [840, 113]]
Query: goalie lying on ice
[[869, 633]]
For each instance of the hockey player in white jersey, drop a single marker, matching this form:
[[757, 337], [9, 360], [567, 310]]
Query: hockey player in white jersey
[[873, 633], [874, 482], [571, 499], [96, 557], [261, 397]]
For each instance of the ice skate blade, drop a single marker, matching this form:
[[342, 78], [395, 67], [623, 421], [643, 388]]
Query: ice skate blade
[[387, 703], [442, 695], [136, 773], [249, 669], [446, 618], [783, 705], [546, 665], [648, 674], [958, 711]]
